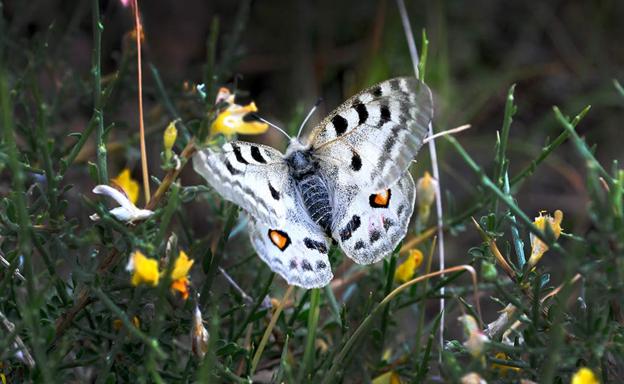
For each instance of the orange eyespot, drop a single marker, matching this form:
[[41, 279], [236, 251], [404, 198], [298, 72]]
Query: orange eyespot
[[279, 238], [380, 200]]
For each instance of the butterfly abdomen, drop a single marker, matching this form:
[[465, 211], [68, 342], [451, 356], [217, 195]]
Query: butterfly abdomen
[[315, 198], [312, 187]]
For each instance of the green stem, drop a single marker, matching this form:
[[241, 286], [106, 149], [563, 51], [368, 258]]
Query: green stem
[[98, 116], [546, 151], [30, 308], [489, 184], [501, 160], [582, 147], [313, 317], [150, 343]]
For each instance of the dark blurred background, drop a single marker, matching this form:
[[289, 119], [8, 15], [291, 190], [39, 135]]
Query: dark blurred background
[[563, 53]]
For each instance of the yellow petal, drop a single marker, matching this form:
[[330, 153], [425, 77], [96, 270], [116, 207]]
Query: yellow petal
[[503, 369], [389, 377], [406, 270], [182, 286], [230, 121], [182, 266], [169, 136], [127, 184], [144, 270], [584, 376], [538, 247]]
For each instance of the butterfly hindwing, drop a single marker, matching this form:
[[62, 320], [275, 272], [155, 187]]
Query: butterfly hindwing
[[369, 225], [297, 250], [377, 132], [252, 176]]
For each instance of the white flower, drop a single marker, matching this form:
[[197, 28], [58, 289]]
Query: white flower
[[127, 212]]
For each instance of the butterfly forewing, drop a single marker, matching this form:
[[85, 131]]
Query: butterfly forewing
[[382, 127], [256, 178], [252, 176]]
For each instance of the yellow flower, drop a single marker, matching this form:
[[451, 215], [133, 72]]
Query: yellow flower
[[232, 120], [182, 266], [127, 184], [389, 377], [144, 270], [179, 275], [199, 335], [502, 368], [169, 137], [425, 196], [538, 247], [2, 376], [584, 376], [405, 271]]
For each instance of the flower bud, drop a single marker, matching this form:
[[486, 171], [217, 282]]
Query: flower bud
[[169, 138], [425, 196]]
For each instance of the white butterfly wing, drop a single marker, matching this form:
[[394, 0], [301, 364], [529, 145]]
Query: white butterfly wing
[[252, 176], [368, 224], [298, 251], [256, 178], [375, 134]]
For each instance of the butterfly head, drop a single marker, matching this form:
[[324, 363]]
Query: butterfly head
[[299, 158]]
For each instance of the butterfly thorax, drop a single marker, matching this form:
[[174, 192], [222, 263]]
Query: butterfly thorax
[[311, 185]]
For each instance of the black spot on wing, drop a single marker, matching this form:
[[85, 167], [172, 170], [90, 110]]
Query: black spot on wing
[[255, 153], [306, 265], [377, 91], [356, 162], [274, 193], [374, 236], [352, 226], [316, 245], [359, 245], [385, 114], [400, 210], [362, 113], [239, 155], [340, 124], [230, 168], [293, 264], [387, 223]]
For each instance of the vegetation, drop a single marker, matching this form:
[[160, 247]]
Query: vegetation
[[166, 288]]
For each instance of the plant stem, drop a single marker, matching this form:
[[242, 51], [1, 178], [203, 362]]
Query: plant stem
[[150, 343], [330, 377], [308, 353], [98, 116], [139, 31], [29, 309], [268, 330]]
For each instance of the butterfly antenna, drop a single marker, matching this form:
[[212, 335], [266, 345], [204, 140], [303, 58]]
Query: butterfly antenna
[[318, 102], [272, 125]]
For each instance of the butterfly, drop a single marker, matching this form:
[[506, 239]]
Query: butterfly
[[347, 182]]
